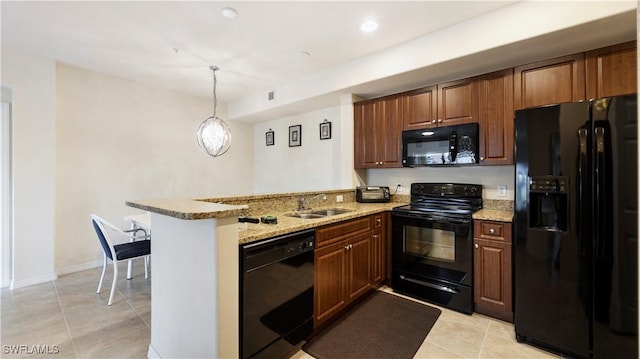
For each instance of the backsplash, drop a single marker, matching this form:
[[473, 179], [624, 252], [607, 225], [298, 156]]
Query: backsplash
[[262, 204], [496, 204]]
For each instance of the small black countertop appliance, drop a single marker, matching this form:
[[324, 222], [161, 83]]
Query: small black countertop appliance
[[373, 194]]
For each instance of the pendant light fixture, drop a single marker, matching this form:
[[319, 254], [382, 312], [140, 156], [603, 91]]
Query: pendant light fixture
[[214, 136]]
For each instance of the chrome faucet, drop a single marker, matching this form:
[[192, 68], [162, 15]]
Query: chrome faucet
[[302, 203]]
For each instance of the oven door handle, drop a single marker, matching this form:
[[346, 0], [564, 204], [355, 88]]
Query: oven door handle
[[430, 285], [433, 218]]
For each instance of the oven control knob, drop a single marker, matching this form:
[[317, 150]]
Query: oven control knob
[[473, 190]]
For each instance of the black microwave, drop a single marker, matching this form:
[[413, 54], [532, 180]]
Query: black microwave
[[441, 146]]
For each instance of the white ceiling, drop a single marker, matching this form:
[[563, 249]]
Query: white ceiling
[[172, 43]]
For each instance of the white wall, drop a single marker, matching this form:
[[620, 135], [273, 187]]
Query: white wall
[[118, 140], [488, 176], [31, 81], [316, 165]]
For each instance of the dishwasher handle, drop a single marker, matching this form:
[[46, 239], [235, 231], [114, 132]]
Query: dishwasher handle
[[273, 250]]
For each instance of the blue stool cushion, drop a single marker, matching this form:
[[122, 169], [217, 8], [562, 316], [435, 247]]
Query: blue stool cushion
[[132, 249]]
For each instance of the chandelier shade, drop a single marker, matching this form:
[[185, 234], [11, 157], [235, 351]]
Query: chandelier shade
[[214, 135]]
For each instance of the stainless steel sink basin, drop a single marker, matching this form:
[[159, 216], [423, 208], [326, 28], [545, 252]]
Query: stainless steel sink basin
[[320, 213], [332, 211], [305, 215]]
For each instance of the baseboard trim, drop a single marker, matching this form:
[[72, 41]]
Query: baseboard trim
[[15, 284], [78, 268]]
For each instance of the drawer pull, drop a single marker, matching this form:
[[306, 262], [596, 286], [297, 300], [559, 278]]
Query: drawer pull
[[492, 231]]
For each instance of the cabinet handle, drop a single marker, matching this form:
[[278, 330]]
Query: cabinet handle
[[476, 245], [433, 121], [378, 220], [348, 246], [481, 158], [492, 231], [439, 120]]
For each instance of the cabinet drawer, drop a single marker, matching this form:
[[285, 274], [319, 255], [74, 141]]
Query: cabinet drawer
[[500, 231], [333, 233]]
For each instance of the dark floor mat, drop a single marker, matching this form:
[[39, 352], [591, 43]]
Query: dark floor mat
[[382, 326]]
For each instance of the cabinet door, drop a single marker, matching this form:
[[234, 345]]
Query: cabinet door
[[611, 71], [495, 117], [365, 153], [457, 102], [492, 277], [389, 131], [420, 108], [359, 259], [493, 288], [330, 281], [548, 82]]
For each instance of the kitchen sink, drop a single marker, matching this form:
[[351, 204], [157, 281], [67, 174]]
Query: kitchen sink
[[331, 212], [320, 213], [305, 215]]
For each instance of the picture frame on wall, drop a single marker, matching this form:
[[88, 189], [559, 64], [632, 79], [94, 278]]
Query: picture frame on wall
[[295, 136], [325, 130], [270, 137]]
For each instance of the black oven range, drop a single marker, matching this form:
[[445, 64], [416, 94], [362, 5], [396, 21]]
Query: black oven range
[[432, 244]]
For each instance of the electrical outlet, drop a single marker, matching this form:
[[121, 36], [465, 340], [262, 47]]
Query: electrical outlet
[[502, 190], [339, 198]]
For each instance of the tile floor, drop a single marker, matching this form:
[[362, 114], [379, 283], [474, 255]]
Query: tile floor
[[67, 318]]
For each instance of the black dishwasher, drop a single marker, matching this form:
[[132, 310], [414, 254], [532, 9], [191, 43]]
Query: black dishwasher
[[276, 312]]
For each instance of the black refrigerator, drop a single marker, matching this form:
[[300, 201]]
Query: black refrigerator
[[576, 228]]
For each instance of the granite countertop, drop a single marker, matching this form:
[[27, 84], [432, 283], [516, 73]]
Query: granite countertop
[[254, 232], [193, 209], [188, 209], [494, 215]]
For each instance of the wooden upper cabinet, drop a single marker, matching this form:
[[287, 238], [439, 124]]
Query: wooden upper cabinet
[[611, 71], [495, 117], [446, 104], [377, 132], [420, 108], [457, 102], [548, 82], [390, 132]]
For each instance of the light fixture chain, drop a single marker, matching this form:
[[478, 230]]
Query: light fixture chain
[[215, 98]]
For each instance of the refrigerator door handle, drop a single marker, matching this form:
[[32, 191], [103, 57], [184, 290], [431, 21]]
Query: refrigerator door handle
[[583, 172], [599, 188]]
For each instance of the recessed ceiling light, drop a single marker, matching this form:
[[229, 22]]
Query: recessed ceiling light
[[229, 12], [369, 26]]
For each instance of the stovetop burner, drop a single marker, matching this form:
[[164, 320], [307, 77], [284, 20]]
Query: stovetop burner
[[444, 199]]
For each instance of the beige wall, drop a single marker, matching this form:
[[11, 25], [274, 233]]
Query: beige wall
[[117, 140]]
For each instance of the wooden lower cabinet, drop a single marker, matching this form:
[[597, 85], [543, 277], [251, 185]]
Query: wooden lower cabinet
[[493, 287], [350, 260]]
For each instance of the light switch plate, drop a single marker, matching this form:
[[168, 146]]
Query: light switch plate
[[502, 190]]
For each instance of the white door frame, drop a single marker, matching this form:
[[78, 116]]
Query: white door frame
[[6, 197]]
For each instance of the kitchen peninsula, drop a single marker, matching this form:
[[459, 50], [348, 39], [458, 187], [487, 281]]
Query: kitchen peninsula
[[195, 278], [194, 292]]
